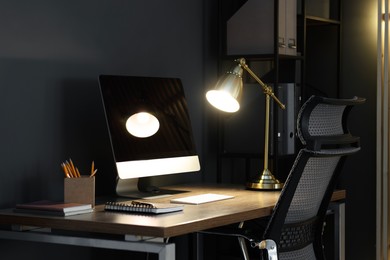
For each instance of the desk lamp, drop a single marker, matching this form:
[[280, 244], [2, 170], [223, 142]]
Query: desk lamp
[[226, 96]]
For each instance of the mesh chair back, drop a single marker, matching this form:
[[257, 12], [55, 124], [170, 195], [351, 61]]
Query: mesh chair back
[[297, 220]]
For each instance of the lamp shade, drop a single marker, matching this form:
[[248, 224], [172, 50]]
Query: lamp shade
[[227, 93]]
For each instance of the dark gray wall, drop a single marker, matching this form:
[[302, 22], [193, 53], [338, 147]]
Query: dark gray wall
[[51, 53], [359, 78]]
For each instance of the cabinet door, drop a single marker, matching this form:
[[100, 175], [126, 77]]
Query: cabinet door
[[251, 29], [291, 26], [282, 41]]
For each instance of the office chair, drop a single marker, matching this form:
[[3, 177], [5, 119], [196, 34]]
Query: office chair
[[294, 229]]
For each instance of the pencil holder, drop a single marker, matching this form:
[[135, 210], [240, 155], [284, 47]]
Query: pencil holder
[[80, 190]]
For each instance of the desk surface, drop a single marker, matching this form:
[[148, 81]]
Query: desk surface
[[246, 205]]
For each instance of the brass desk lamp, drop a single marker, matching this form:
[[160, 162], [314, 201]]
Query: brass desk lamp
[[226, 95]]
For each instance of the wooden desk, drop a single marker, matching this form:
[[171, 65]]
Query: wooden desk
[[133, 229]]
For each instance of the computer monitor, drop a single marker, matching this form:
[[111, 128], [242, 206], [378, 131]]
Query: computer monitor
[[170, 150]]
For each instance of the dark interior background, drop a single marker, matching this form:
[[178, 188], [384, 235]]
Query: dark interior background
[[51, 53]]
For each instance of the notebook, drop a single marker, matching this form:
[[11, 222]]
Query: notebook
[[142, 207], [47, 207], [202, 198]]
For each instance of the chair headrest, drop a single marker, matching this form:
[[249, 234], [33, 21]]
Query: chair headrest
[[323, 121]]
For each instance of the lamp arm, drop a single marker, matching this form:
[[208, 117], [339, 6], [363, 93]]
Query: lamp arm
[[266, 89]]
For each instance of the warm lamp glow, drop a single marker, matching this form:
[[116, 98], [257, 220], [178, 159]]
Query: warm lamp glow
[[142, 125], [227, 92], [223, 101]]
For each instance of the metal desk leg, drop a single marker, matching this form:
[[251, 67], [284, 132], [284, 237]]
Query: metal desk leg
[[338, 209], [198, 240], [165, 251]]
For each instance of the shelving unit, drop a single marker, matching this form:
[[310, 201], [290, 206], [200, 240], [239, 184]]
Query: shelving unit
[[322, 52], [314, 68]]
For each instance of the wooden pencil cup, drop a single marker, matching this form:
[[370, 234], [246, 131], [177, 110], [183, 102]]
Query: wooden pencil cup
[[80, 190]]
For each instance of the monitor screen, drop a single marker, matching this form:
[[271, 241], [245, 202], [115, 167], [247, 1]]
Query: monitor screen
[[171, 149]]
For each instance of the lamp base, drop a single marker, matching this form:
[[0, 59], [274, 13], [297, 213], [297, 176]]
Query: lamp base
[[265, 182]]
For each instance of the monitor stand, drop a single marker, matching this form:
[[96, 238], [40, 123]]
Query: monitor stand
[[129, 188]]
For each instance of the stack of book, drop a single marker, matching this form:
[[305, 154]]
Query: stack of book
[[45, 207]]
